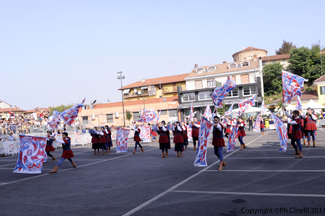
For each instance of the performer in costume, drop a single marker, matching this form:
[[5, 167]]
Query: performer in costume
[[195, 132], [218, 141], [49, 147], [310, 126], [303, 129], [228, 127], [95, 140], [241, 133], [137, 138], [185, 137], [153, 132], [108, 138], [164, 143], [262, 126], [296, 133], [67, 152], [102, 140], [178, 139]]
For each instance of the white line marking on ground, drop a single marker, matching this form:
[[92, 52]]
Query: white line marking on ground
[[177, 185], [250, 194], [266, 170], [45, 174], [7, 164], [257, 158]]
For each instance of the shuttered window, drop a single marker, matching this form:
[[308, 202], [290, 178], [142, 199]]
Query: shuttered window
[[198, 84], [244, 79]]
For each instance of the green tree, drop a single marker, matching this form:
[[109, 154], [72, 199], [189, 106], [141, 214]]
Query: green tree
[[300, 61], [60, 108], [285, 48], [272, 78], [128, 115]]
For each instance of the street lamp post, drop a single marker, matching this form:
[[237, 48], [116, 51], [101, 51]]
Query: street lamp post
[[120, 76], [144, 105]]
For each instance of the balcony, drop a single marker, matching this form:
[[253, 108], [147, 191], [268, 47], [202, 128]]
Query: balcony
[[173, 89], [132, 95]]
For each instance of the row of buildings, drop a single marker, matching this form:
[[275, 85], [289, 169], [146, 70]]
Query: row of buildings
[[172, 95]]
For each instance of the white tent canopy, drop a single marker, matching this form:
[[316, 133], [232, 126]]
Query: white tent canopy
[[312, 104], [291, 107], [250, 110]]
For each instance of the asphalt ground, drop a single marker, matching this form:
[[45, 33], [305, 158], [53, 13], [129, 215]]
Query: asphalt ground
[[256, 181]]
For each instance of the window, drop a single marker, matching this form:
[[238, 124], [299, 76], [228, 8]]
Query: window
[[110, 118], [245, 64], [233, 93], [212, 68], [233, 78], [198, 84], [136, 116], [163, 112], [172, 113], [233, 65], [249, 91], [188, 97], [126, 91], [284, 61], [200, 70], [84, 120], [322, 90], [244, 79], [211, 83], [273, 61], [205, 95]]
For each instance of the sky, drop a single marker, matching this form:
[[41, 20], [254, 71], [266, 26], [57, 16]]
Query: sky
[[58, 52]]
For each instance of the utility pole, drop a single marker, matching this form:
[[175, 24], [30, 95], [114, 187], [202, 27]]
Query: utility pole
[[122, 77]]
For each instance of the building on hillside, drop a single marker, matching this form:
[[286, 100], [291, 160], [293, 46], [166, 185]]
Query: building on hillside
[[249, 53], [202, 80], [282, 59], [161, 87], [112, 113], [319, 84], [5, 113], [4, 105]]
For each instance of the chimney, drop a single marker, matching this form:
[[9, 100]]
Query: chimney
[[196, 66], [224, 62]]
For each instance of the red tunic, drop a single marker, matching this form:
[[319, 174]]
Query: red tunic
[[178, 136], [296, 129], [218, 137], [185, 137], [102, 138], [67, 153], [163, 136], [108, 135], [262, 124], [228, 129], [241, 130], [195, 131], [95, 138], [310, 124], [49, 146], [137, 135]]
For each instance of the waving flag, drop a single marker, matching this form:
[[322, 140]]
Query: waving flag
[[207, 113], [298, 105], [263, 109], [145, 133], [219, 93], [246, 104], [282, 132], [257, 124], [158, 117], [232, 138], [230, 110], [191, 115], [122, 138], [55, 121], [148, 115], [31, 155], [292, 85], [70, 114], [202, 146], [189, 133]]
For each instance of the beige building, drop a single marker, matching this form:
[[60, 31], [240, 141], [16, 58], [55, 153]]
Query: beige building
[[282, 59], [249, 53], [4, 105]]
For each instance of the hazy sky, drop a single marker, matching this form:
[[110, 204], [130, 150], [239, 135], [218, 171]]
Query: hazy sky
[[58, 52]]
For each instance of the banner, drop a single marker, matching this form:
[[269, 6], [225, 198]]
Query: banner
[[232, 138], [229, 110], [158, 117], [189, 133], [221, 92], [257, 124], [298, 105], [207, 113], [292, 85], [148, 115], [31, 154], [282, 132], [122, 139], [202, 146], [145, 133], [263, 109], [55, 120], [246, 104], [70, 114]]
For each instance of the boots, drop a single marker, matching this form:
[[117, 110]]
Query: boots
[[134, 151], [142, 149], [166, 154], [181, 154], [55, 169], [194, 148], [241, 147], [73, 164], [102, 152], [296, 153], [305, 142], [244, 145], [223, 162], [308, 143], [163, 155], [53, 158], [177, 154], [263, 133], [220, 167], [300, 155], [185, 148], [314, 143], [95, 152]]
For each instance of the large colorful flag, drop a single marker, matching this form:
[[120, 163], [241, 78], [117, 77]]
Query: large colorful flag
[[148, 115], [292, 85], [202, 147], [145, 133], [257, 124], [230, 110], [221, 92], [263, 109], [191, 116], [207, 113], [158, 117], [246, 104], [122, 138], [232, 138], [189, 133], [55, 120], [282, 132], [31, 154], [298, 105], [70, 114]]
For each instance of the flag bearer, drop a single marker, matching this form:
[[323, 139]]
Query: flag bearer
[[241, 133], [137, 138], [296, 133], [49, 147], [178, 139], [310, 126], [218, 141], [164, 142]]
